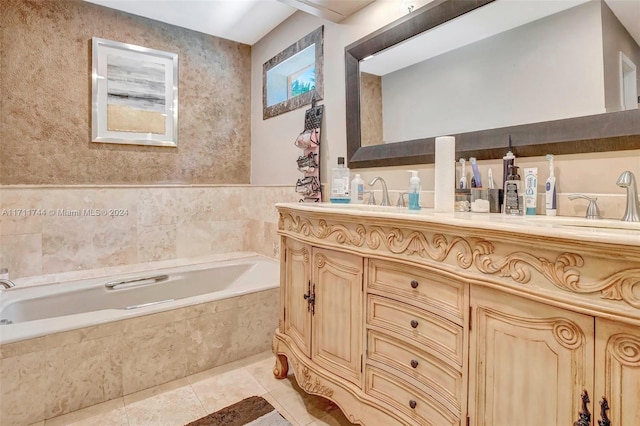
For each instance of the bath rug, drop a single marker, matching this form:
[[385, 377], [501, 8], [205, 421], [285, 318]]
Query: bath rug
[[252, 411]]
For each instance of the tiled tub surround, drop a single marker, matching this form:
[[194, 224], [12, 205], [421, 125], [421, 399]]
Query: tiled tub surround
[[47, 376], [156, 223]]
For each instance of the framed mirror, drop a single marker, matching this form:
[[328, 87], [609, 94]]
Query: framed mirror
[[294, 77], [456, 67]]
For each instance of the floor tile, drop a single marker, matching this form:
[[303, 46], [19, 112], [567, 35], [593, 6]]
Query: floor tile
[[171, 404], [274, 402], [110, 413], [262, 371], [219, 388], [303, 407]]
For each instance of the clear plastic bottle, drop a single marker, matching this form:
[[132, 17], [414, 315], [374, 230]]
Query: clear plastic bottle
[[414, 191], [340, 183], [357, 190]]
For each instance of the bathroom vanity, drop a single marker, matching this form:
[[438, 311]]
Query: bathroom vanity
[[452, 319]]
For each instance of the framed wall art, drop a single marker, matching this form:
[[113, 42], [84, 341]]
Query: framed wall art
[[134, 94]]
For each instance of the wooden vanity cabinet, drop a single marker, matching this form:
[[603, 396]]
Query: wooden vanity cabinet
[[322, 307], [617, 376], [405, 321], [529, 361]]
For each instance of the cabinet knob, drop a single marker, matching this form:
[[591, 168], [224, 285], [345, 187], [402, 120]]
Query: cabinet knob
[[414, 323], [414, 284], [414, 363], [412, 404]]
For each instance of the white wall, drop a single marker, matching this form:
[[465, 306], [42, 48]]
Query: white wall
[[546, 70], [273, 155]]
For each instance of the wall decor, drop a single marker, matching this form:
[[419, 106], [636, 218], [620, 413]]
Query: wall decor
[[134, 94], [294, 77]]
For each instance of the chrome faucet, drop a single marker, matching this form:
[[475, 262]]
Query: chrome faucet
[[385, 192], [6, 283], [628, 180]]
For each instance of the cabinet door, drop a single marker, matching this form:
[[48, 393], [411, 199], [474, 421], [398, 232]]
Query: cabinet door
[[297, 272], [618, 372], [337, 322], [529, 361]]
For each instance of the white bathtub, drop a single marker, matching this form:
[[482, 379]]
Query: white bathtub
[[101, 341], [33, 311]]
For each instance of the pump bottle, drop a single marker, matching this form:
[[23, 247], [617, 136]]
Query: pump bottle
[[414, 191]]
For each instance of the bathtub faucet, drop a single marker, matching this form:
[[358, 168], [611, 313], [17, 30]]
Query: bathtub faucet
[[6, 283]]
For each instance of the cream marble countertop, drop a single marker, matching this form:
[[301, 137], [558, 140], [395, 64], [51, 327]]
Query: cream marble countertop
[[573, 228]]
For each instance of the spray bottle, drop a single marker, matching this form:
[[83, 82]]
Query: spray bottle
[[550, 188], [414, 191]]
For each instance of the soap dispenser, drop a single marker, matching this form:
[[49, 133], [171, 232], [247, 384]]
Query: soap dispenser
[[414, 191]]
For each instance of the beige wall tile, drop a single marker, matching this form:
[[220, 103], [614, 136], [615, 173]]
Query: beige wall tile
[[160, 356], [82, 374], [22, 347], [156, 242], [207, 237], [209, 340], [22, 254], [23, 389]]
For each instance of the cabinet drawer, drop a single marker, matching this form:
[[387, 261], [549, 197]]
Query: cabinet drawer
[[401, 396], [439, 336], [443, 296], [441, 380]]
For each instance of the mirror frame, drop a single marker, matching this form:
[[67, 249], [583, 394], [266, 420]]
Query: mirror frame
[[315, 37], [614, 131]]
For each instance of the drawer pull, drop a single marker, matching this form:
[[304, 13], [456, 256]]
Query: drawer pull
[[414, 323], [414, 284], [414, 363], [412, 404]]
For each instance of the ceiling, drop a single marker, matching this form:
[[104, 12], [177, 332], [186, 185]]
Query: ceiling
[[244, 21]]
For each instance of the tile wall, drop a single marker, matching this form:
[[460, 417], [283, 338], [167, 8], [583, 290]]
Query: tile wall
[[53, 229]]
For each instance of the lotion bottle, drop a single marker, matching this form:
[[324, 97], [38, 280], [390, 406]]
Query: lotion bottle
[[550, 189], [357, 190], [414, 191]]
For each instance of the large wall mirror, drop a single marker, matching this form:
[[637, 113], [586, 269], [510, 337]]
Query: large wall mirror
[[556, 76], [294, 77]]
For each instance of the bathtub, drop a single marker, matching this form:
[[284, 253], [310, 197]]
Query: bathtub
[[45, 309], [69, 345]]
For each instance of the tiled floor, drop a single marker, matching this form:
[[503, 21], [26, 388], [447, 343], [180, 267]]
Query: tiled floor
[[181, 401]]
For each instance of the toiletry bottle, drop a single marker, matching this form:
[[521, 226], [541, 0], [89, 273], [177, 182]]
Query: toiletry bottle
[[507, 161], [550, 189], [514, 194], [340, 183], [462, 183], [357, 190], [414, 191], [530, 190]]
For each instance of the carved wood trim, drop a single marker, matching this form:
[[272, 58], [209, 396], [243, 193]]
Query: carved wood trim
[[625, 348], [308, 382], [478, 254]]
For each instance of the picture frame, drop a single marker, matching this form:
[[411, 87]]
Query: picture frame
[[300, 64], [134, 94]]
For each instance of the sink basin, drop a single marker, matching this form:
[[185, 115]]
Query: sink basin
[[573, 222]]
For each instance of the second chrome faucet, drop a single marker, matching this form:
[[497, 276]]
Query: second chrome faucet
[[628, 180], [385, 192]]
